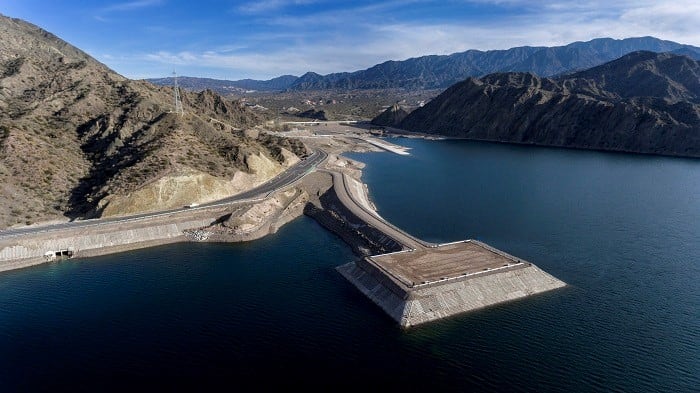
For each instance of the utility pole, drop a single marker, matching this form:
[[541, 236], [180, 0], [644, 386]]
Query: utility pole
[[178, 102]]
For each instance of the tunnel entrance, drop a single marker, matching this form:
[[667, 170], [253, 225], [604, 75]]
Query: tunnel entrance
[[60, 254]]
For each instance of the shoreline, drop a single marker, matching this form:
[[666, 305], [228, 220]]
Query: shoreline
[[201, 225], [400, 133]]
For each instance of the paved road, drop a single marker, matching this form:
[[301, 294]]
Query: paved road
[[282, 180], [347, 198]]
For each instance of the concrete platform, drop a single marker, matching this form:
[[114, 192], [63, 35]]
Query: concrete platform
[[423, 285], [444, 262]]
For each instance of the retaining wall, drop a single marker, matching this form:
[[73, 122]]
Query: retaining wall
[[419, 305], [29, 250]]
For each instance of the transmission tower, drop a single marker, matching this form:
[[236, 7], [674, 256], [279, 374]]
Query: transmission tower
[[178, 102]]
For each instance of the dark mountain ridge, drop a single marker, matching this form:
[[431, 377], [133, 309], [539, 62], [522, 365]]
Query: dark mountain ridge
[[441, 71], [644, 102]]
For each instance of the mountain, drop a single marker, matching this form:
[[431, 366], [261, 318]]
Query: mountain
[[227, 87], [643, 102], [442, 71], [434, 72], [393, 115], [77, 139]]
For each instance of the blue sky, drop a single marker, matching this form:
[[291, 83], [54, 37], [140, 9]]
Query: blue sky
[[267, 38]]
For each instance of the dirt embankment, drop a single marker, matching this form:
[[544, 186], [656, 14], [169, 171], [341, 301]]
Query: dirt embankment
[[326, 208]]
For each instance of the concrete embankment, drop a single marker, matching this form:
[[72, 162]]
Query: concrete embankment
[[335, 216], [412, 304], [237, 222], [96, 240], [390, 147], [417, 281]]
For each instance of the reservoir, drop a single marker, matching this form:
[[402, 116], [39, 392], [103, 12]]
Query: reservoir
[[621, 230]]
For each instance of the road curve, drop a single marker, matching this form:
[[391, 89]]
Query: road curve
[[284, 179], [346, 197]]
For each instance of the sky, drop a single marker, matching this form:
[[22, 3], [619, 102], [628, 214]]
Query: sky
[[268, 38]]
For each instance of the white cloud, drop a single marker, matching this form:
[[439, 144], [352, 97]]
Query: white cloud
[[132, 5], [262, 6], [124, 7]]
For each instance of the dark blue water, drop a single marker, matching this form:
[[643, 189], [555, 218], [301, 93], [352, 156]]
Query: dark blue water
[[621, 229]]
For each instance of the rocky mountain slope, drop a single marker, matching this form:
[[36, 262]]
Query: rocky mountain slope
[[392, 116], [643, 102], [431, 72], [77, 139]]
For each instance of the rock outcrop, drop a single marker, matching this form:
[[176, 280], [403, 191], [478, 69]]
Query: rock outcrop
[[313, 114]]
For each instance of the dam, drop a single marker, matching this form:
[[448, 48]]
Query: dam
[[423, 281]]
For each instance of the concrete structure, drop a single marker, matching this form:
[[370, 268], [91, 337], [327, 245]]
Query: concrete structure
[[426, 281], [418, 286], [390, 147], [98, 240], [29, 246]]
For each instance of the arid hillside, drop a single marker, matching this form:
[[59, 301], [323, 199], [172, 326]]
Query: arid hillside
[[643, 102], [79, 140]]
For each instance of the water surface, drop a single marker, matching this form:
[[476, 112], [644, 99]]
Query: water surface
[[621, 229]]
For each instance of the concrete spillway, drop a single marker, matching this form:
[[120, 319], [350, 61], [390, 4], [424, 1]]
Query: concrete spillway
[[426, 282]]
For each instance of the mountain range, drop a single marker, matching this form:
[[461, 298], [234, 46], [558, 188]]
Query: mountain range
[[78, 139], [643, 102], [227, 87], [430, 72]]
